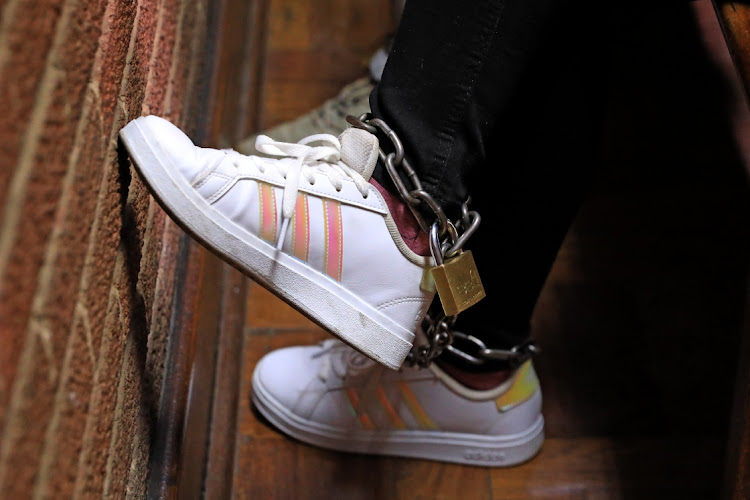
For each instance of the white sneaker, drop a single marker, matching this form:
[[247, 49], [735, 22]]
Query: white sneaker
[[308, 226], [331, 396]]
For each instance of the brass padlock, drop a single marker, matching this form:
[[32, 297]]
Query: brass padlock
[[456, 279]]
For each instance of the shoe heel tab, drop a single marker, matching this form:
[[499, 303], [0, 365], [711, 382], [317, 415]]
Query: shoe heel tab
[[525, 383]]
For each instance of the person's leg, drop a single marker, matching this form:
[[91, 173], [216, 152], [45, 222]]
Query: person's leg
[[505, 107], [497, 111]]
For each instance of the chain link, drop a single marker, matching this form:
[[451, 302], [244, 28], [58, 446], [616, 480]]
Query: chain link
[[440, 337], [439, 334], [515, 356]]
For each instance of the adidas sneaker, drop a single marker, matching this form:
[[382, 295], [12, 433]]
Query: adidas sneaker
[[331, 396], [305, 224]]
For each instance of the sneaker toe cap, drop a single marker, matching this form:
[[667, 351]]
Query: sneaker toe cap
[[285, 374], [174, 144]]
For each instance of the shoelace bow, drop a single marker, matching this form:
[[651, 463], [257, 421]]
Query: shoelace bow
[[324, 159]]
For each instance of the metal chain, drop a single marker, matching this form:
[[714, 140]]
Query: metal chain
[[396, 160], [514, 356], [439, 330], [440, 336]]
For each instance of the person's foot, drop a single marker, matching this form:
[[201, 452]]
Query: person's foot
[[308, 226], [331, 396], [328, 118]]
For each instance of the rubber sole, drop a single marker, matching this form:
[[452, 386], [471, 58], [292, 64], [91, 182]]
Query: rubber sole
[[323, 300], [460, 448]]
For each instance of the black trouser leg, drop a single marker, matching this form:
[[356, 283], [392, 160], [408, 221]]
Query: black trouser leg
[[500, 100], [453, 69], [529, 190]]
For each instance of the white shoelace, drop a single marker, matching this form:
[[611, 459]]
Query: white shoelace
[[311, 160]]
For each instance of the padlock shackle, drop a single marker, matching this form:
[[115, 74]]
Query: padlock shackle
[[435, 248]]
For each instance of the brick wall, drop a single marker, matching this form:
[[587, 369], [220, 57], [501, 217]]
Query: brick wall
[[88, 262]]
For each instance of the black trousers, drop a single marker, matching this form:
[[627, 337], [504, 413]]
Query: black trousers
[[502, 100]]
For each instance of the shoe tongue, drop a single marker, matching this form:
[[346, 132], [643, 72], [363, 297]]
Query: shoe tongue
[[359, 150]]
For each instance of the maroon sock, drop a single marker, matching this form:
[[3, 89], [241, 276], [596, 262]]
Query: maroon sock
[[416, 239], [477, 381]]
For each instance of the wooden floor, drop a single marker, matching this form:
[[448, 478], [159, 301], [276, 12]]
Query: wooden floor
[[648, 282]]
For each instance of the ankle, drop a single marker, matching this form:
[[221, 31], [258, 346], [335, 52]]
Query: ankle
[[479, 381], [408, 227]]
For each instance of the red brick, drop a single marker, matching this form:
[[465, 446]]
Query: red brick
[[73, 57], [93, 283], [20, 280], [187, 63], [97, 435], [23, 55], [58, 462], [162, 59], [126, 419], [153, 367]]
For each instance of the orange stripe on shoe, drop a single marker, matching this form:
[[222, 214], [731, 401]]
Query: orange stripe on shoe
[[396, 419], [301, 229], [416, 409], [334, 250], [363, 418], [524, 386], [267, 212]]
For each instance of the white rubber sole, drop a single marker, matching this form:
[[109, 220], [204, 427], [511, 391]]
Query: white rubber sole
[[314, 294], [453, 447]]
